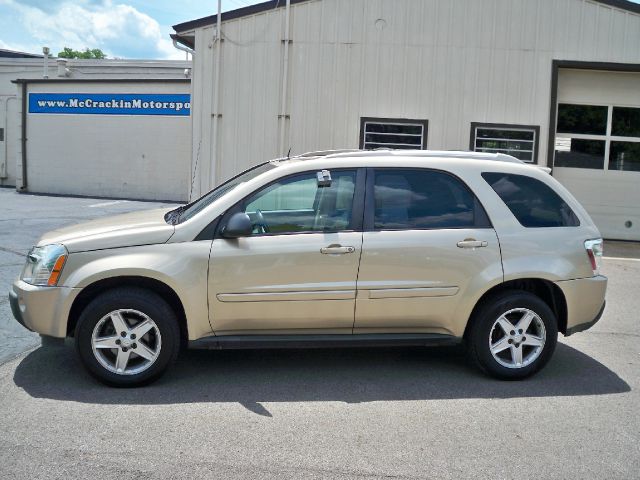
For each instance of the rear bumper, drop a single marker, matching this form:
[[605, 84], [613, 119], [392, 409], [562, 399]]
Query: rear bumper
[[42, 309], [586, 326], [585, 302]]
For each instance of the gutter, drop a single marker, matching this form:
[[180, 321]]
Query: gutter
[[176, 43], [285, 80]]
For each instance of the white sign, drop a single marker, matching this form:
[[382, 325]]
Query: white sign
[[563, 144]]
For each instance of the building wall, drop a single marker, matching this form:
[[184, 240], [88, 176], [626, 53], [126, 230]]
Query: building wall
[[122, 156], [451, 63], [15, 68]]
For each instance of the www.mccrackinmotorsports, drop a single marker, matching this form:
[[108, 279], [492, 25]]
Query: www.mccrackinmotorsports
[[110, 104]]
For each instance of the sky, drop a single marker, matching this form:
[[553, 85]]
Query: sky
[[121, 29]]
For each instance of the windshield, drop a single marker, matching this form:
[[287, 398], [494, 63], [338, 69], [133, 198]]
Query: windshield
[[185, 212]]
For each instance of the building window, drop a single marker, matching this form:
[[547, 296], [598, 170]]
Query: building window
[[393, 133], [598, 137], [520, 141]]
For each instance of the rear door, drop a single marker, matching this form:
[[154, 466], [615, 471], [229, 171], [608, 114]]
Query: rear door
[[427, 241], [297, 272]]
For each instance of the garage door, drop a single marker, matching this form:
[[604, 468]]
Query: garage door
[[597, 147]]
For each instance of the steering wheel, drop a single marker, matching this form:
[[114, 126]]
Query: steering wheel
[[261, 223]]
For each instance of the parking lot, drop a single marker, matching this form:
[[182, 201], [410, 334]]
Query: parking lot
[[352, 413]]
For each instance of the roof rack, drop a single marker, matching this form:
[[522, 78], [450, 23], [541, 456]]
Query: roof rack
[[346, 153], [408, 153], [326, 153]]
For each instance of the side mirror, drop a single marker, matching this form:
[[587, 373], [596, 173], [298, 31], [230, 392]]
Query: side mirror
[[239, 225]]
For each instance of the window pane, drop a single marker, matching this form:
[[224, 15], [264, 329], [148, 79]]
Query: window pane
[[415, 199], [372, 146], [581, 154], [404, 139], [507, 134], [625, 156], [297, 204], [532, 202], [393, 134], [393, 128], [517, 142], [504, 144], [626, 122], [584, 119]]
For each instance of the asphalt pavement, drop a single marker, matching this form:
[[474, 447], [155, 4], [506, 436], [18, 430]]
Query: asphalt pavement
[[334, 413]]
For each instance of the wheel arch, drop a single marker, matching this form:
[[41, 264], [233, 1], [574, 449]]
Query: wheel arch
[[94, 289], [546, 290]]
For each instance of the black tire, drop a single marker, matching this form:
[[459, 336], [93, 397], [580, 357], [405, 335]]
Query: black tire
[[481, 327], [135, 299]]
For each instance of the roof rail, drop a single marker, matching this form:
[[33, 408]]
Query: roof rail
[[424, 153], [326, 153], [346, 153]]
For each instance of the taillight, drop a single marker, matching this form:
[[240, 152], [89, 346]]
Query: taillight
[[594, 250]]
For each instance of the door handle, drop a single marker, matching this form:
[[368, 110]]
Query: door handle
[[337, 250], [472, 243]]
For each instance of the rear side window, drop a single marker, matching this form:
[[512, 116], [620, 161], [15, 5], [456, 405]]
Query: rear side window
[[531, 201], [422, 199]]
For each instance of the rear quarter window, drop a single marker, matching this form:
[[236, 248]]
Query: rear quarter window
[[532, 202]]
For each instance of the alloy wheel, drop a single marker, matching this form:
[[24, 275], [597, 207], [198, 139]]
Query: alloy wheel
[[126, 342], [517, 338]]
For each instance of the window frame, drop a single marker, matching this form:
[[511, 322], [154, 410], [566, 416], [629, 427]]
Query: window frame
[[507, 126], [357, 207], [607, 138], [394, 121], [480, 216]]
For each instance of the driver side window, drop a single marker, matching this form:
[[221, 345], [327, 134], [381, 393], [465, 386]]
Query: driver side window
[[297, 204]]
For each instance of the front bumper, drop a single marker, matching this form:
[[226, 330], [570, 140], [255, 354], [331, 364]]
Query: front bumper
[[585, 302], [42, 309]]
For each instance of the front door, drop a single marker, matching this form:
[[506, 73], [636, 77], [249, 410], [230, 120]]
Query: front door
[[297, 272], [427, 241]]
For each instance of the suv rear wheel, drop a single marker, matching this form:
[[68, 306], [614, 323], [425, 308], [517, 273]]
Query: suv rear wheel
[[127, 337], [512, 336]]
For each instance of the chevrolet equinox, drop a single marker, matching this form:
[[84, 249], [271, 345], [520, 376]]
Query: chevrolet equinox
[[343, 248]]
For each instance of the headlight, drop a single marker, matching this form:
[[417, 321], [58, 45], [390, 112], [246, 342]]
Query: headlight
[[44, 265]]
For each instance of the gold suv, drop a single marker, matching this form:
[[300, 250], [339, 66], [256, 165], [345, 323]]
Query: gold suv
[[347, 248]]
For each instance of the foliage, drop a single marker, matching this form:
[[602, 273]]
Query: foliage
[[94, 53]]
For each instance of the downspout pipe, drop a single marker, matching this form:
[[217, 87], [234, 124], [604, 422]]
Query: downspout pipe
[[23, 140], [5, 167], [216, 100], [285, 79]]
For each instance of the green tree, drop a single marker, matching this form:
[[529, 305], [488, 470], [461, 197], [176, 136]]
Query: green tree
[[95, 53]]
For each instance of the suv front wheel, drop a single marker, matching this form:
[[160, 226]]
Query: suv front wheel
[[127, 337], [512, 336]]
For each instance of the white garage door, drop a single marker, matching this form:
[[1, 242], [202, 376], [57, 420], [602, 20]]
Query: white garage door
[[597, 147]]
